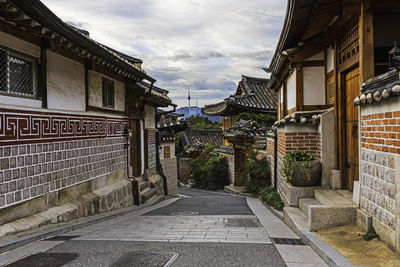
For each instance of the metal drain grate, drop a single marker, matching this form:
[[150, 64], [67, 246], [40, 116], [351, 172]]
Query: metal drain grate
[[146, 258], [288, 241], [45, 259], [61, 237], [241, 222]]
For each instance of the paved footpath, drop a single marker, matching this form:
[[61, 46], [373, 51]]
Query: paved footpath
[[200, 229]]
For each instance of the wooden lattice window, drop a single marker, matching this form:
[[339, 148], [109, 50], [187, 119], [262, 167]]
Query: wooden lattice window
[[167, 152], [330, 88], [349, 48], [108, 93]]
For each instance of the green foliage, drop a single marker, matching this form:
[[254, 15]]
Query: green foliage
[[269, 196], [370, 235], [261, 119], [178, 145], [256, 174], [203, 123], [292, 160], [209, 171]]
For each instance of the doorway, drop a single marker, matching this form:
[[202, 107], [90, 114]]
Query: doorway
[[352, 88]]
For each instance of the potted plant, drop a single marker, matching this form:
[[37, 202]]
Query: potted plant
[[301, 169]]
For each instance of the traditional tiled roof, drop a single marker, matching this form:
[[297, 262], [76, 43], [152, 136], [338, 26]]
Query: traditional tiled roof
[[166, 137], [33, 16], [173, 121], [197, 139], [246, 129], [302, 117], [380, 88], [251, 95], [156, 95]]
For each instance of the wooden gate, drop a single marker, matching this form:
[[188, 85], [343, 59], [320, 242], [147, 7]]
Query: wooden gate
[[352, 87], [135, 149]]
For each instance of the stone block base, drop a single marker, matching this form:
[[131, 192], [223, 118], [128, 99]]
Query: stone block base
[[364, 220], [294, 193]]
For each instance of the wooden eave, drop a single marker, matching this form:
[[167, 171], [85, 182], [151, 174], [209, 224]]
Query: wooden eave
[[34, 17]]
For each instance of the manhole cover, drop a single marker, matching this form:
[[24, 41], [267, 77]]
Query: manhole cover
[[146, 258], [61, 237], [241, 222], [288, 241], [184, 213], [45, 260]]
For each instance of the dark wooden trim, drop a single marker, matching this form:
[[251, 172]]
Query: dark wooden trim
[[299, 89], [366, 41], [42, 86], [284, 98], [105, 110], [63, 52], [107, 72], [313, 63], [18, 33], [87, 67], [315, 107]]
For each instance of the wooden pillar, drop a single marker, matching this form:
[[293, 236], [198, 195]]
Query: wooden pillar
[[367, 68], [240, 157], [299, 89]]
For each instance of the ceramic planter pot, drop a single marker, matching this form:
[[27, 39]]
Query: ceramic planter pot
[[300, 177]]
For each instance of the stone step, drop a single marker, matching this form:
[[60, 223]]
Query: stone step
[[147, 194], [144, 185], [295, 219], [324, 217], [306, 203], [337, 198]]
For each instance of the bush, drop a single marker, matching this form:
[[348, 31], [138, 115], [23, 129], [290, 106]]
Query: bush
[[269, 196], [261, 119], [209, 172], [256, 174]]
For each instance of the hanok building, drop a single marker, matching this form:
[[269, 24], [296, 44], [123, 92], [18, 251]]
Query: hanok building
[[168, 125], [326, 51], [77, 117], [252, 95]]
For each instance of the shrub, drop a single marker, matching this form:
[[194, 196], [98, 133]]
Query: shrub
[[294, 159], [209, 171], [256, 174], [269, 196], [261, 119], [370, 235]]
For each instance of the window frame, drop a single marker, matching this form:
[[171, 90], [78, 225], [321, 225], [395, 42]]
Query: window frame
[[35, 72], [105, 93]]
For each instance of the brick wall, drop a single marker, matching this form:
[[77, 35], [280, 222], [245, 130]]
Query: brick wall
[[46, 152], [170, 169], [183, 169], [380, 147]]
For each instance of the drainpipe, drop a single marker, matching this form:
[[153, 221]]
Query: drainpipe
[[275, 156]]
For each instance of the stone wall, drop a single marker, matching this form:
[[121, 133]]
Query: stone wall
[[380, 170], [150, 149], [183, 170], [170, 169], [47, 152]]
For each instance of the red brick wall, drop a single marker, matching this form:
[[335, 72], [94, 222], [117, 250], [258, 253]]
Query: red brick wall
[[381, 132], [302, 141], [270, 147]]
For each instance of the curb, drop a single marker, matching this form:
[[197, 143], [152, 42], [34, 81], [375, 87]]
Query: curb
[[20, 241]]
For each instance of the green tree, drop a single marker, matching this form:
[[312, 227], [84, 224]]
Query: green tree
[[203, 123], [261, 119]]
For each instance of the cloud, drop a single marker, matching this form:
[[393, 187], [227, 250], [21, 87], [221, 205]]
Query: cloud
[[201, 45]]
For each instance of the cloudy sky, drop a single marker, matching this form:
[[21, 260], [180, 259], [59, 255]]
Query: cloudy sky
[[204, 45]]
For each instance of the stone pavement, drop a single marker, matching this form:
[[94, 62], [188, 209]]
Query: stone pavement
[[185, 227]]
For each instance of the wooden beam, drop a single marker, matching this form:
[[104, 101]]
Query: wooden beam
[[42, 90], [299, 89], [366, 29]]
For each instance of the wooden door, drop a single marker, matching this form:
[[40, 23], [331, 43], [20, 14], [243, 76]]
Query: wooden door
[[352, 87]]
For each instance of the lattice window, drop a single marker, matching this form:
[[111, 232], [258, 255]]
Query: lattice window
[[349, 48], [17, 74], [108, 93]]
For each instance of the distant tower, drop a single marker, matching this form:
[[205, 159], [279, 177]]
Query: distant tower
[[189, 97]]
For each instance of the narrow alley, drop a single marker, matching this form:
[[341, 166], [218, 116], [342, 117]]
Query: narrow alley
[[199, 229]]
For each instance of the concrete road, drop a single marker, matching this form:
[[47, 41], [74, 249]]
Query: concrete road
[[200, 229]]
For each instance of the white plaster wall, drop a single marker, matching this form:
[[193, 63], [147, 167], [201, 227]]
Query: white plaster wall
[[171, 147], [19, 45], [19, 101], [95, 91], [318, 56], [65, 83], [291, 91], [330, 60], [314, 85], [150, 119]]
